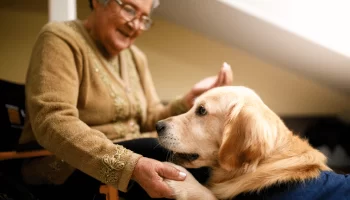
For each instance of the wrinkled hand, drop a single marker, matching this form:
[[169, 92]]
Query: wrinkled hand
[[150, 174], [222, 79], [189, 188]]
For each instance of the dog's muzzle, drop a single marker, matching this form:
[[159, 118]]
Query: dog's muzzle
[[161, 128]]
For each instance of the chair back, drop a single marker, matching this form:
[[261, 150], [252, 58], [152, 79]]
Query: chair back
[[12, 114]]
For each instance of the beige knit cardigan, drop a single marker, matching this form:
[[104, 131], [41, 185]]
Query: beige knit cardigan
[[78, 102]]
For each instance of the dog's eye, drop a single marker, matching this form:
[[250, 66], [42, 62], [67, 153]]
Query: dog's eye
[[201, 111]]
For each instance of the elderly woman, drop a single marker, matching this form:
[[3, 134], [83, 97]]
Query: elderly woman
[[88, 85]]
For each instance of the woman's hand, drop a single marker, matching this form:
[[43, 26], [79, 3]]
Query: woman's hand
[[222, 79], [150, 173]]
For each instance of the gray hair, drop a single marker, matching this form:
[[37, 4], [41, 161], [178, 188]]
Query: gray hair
[[155, 3]]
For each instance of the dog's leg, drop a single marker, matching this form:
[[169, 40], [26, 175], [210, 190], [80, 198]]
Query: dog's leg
[[190, 188]]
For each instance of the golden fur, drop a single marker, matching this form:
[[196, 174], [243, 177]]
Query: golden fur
[[245, 143]]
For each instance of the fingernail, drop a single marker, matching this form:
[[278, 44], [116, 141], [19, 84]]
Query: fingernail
[[182, 174], [226, 66]]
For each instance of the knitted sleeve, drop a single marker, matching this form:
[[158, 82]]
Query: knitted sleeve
[[52, 89]]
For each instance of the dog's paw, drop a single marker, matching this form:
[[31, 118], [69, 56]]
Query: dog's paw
[[190, 188]]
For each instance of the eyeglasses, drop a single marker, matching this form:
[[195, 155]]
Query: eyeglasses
[[129, 14]]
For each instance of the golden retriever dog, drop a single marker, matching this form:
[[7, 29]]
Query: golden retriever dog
[[247, 146]]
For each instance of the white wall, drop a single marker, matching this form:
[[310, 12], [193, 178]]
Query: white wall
[[325, 22]]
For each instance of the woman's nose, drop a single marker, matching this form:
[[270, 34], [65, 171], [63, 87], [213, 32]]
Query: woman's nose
[[135, 23]]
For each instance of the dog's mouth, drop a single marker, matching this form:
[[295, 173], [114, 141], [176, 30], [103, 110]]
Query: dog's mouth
[[184, 157]]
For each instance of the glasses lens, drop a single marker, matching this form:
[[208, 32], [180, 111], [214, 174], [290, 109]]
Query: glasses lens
[[146, 23], [128, 12]]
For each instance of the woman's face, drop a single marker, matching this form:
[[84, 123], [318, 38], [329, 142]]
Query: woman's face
[[112, 30]]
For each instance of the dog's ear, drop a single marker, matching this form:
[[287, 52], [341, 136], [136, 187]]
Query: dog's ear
[[249, 136]]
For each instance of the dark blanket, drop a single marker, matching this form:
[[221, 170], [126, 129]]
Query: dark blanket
[[328, 186]]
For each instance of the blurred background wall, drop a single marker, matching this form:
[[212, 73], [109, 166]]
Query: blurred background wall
[[178, 58]]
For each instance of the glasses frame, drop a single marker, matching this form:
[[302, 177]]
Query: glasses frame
[[143, 26]]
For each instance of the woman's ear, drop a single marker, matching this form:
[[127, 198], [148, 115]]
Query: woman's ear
[[249, 136]]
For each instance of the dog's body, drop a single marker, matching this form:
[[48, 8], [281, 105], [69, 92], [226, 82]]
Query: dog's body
[[248, 147]]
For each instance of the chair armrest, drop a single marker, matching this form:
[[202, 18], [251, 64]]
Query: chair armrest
[[25, 154]]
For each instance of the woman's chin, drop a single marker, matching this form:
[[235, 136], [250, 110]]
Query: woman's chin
[[115, 49], [121, 45]]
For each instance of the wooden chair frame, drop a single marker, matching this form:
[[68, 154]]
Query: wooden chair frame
[[110, 192]]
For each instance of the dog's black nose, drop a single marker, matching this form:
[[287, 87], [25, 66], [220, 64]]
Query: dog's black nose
[[160, 127]]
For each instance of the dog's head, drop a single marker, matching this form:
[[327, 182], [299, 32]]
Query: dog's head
[[229, 127]]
